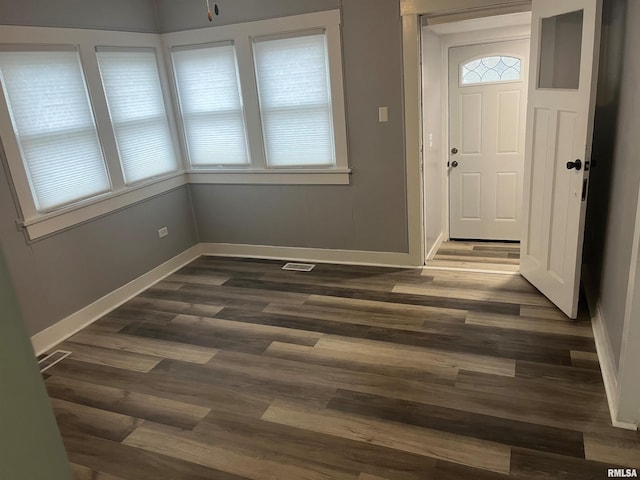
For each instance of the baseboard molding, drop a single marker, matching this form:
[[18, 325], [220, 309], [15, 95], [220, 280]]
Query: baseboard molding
[[60, 331], [436, 247], [346, 257], [605, 353]]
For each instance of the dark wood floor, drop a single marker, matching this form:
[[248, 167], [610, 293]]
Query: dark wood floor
[[234, 369], [478, 255]]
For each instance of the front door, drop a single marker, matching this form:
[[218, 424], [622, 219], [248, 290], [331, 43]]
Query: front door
[[565, 37], [487, 118]]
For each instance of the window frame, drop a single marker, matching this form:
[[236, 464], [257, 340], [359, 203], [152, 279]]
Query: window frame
[[241, 35], [179, 107], [163, 92], [461, 65], [121, 195]]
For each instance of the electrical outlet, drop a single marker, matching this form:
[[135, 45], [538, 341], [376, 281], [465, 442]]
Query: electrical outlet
[[163, 232]]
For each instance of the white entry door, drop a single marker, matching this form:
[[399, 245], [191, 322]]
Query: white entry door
[[565, 37], [487, 118]]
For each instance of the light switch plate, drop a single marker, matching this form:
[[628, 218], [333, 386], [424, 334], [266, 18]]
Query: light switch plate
[[383, 114]]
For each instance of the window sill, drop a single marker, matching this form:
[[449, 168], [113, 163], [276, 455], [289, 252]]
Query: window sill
[[272, 177], [49, 223]]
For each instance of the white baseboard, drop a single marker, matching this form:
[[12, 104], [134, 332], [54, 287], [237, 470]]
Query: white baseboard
[[60, 331], [605, 353], [321, 255], [436, 247]]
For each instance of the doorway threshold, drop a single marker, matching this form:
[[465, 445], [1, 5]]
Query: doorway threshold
[[477, 256]]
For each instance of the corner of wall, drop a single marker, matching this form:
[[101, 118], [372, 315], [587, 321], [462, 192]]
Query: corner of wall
[[603, 344], [193, 213]]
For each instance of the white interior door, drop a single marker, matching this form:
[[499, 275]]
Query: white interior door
[[487, 117], [565, 37]]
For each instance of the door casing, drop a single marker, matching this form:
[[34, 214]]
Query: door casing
[[516, 32]]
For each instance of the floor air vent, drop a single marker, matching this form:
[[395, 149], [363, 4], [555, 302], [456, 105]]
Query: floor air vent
[[299, 267], [51, 359]]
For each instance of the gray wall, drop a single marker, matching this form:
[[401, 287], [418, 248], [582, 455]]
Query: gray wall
[[370, 213], [130, 15], [432, 125], [176, 15], [30, 444], [616, 177], [58, 275]]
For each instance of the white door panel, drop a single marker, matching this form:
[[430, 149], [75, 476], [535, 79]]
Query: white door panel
[[564, 55], [487, 128]]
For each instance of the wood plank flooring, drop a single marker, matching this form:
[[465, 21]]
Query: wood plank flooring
[[490, 256], [234, 369]]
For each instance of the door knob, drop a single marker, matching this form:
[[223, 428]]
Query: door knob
[[577, 165], [454, 150], [454, 164]]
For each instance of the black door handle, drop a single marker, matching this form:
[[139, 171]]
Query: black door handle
[[577, 165], [454, 164]]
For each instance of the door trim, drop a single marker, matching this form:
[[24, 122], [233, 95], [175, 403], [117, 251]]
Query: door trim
[[521, 32], [412, 93]]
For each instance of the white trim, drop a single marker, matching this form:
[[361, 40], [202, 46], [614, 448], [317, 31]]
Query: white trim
[[241, 35], [60, 331], [628, 384], [481, 23], [436, 246], [304, 254], [605, 352], [56, 221], [519, 32], [121, 195], [412, 78], [421, 7], [277, 177]]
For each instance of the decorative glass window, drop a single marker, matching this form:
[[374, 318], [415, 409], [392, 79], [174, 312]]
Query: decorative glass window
[[490, 70]]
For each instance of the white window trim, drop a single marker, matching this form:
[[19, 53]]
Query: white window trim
[[327, 176], [102, 205], [241, 35], [41, 224]]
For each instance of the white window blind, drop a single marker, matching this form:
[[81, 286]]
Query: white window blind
[[295, 101], [54, 126], [211, 106], [134, 95]]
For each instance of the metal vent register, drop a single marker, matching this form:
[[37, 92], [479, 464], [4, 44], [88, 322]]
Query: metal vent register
[[299, 267]]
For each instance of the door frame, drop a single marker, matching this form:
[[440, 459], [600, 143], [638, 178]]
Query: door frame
[[479, 37], [410, 13]]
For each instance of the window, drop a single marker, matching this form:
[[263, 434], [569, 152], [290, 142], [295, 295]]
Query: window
[[490, 70], [295, 102], [85, 128], [263, 102], [211, 106], [87, 125], [54, 127], [136, 105]]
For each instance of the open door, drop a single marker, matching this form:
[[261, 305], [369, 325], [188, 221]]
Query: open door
[[565, 39]]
